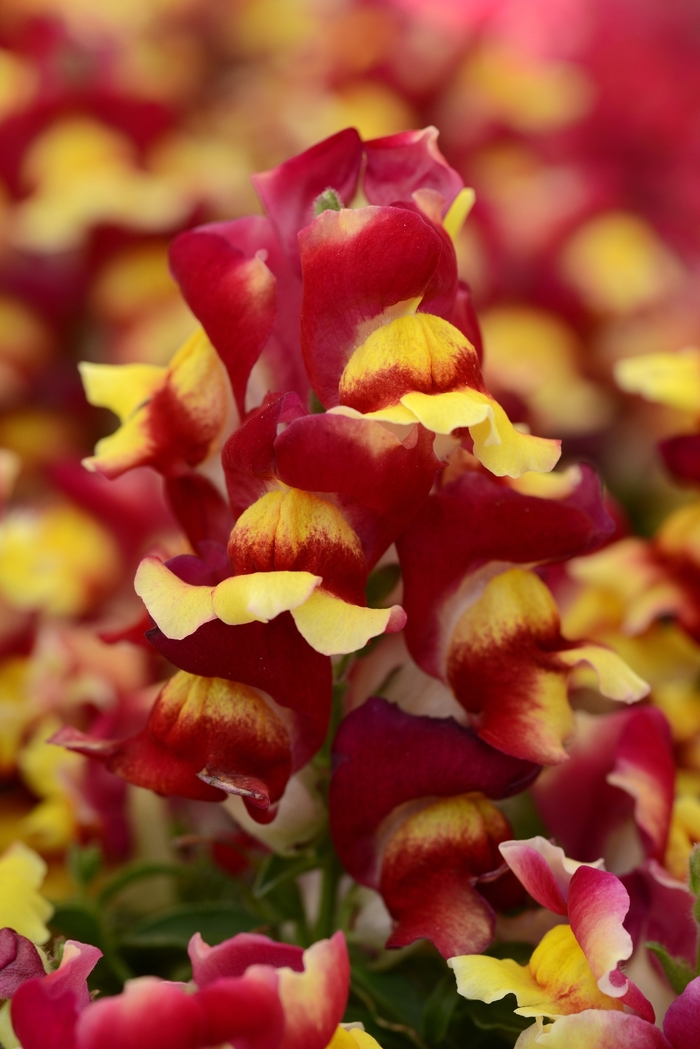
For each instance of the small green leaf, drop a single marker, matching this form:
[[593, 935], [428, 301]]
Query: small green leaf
[[380, 584], [519, 951], [498, 1016], [438, 1010], [694, 866], [329, 200], [175, 927], [278, 870], [78, 920], [393, 994], [315, 406], [84, 863], [678, 972], [135, 871]]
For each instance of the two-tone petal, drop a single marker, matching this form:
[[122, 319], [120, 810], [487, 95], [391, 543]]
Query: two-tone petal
[[508, 665], [368, 351], [204, 736], [556, 981], [596, 904], [435, 860], [171, 416]]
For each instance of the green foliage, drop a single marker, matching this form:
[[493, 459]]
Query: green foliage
[[380, 584], [315, 406], [498, 1016], [677, 970], [694, 870], [84, 864], [407, 999], [438, 1010], [216, 921]]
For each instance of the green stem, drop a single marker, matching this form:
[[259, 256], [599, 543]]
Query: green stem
[[332, 873]]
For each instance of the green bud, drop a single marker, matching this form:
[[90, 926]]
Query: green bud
[[329, 200]]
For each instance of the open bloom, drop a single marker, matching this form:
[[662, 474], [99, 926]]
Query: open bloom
[[491, 630], [316, 506], [248, 991], [615, 798], [201, 734], [576, 966], [616, 1030], [377, 285], [411, 816], [387, 329]]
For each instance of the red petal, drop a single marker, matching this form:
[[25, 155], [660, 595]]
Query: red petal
[[149, 1014], [248, 457], [384, 757], [271, 656], [381, 481], [581, 805], [437, 551], [19, 962], [682, 457], [246, 1012], [199, 508], [288, 192], [356, 264], [398, 165], [233, 295], [681, 1021], [429, 867], [41, 1021], [233, 956]]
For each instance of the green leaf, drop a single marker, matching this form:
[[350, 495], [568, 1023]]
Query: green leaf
[[175, 927], [380, 584], [84, 863], [277, 870], [393, 993], [519, 951], [498, 1016], [438, 1010], [315, 406], [677, 970], [694, 866], [135, 871], [78, 920]]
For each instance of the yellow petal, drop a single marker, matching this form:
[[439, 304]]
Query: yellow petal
[[445, 412], [121, 387], [334, 627], [127, 447], [668, 378], [513, 453], [458, 211], [352, 1038], [556, 981], [22, 907], [198, 378], [497, 444], [616, 679], [177, 607], [261, 596]]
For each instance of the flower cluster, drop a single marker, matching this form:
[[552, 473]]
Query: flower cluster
[[337, 653]]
